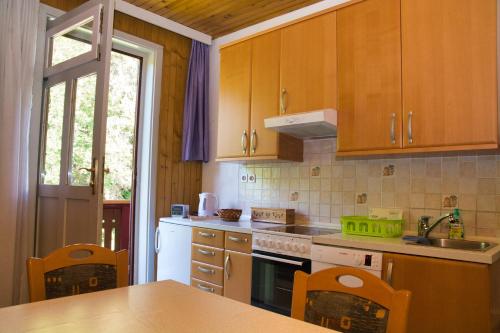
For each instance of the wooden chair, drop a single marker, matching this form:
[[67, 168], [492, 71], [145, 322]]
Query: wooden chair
[[76, 269], [322, 299]]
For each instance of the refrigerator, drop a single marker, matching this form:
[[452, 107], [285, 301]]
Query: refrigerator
[[173, 249]]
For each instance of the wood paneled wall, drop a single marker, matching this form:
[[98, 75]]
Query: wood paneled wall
[[177, 182]]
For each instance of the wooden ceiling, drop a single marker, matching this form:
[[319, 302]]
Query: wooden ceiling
[[220, 17]]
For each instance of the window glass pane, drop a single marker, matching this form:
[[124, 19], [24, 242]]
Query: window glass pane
[[51, 168], [83, 130], [120, 128], [72, 44]]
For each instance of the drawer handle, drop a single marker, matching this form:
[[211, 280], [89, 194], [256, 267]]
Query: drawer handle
[[206, 270], [202, 287], [207, 253], [206, 234], [237, 239]]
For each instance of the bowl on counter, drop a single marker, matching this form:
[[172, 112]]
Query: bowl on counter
[[229, 215]]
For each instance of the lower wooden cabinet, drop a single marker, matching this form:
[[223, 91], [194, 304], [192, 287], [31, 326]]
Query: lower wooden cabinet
[[448, 296], [238, 276]]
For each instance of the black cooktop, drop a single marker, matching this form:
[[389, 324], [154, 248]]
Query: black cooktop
[[303, 230]]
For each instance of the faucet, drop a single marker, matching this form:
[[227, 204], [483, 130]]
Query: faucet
[[423, 224]]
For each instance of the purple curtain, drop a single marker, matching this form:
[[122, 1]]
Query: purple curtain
[[195, 135]]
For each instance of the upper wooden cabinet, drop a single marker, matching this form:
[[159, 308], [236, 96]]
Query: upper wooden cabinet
[[308, 65], [449, 73], [234, 100], [369, 76], [249, 93]]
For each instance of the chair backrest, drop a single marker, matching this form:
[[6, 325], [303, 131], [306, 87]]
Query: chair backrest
[[76, 269], [322, 299]]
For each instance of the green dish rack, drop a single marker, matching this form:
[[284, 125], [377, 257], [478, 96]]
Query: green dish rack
[[361, 225]]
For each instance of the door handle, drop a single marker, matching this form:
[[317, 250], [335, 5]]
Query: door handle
[[393, 128], [157, 240], [93, 172], [253, 141], [283, 101], [410, 129], [244, 142], [227, 266], [388, 277]]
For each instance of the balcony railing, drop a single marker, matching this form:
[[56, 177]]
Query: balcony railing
[[115, 224]]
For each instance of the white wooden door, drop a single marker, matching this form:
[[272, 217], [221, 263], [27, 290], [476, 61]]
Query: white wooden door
[[76, 82]]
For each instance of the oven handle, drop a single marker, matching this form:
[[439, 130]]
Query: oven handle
[[286, 261]]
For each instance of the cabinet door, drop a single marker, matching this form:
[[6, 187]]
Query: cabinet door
[[238, 276], [309, 65], [369, 76], [234, 100], [447, 296], [265, 93], [449, 72]]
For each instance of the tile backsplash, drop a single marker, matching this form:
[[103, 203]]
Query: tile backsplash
[[324, 187]]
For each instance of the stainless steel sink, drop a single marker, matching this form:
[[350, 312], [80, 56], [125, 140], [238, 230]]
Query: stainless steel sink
[[457, 244]]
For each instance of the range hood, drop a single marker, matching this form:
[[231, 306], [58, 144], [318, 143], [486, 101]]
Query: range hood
[[306, 125]]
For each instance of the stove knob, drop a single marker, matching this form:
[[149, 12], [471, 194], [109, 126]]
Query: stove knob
[[358, 260], [264, 242], [258, 241], [288, 246], [271, 243], [295, 247], [279, 245], [302, 248]]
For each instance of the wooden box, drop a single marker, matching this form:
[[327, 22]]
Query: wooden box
[[273, 215]]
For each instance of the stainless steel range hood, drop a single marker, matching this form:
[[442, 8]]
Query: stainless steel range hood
[[306, 125]]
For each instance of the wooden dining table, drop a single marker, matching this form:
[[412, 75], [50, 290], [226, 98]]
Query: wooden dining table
[[165, 306]]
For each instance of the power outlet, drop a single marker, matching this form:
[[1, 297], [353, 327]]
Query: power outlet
[[252, 178], [244, 178]]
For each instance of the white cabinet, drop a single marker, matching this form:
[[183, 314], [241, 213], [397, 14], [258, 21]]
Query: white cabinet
[[173, 248]]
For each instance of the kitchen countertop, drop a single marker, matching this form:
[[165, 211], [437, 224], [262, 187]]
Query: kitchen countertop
[[397, 245], [245, 225], [165, 306]]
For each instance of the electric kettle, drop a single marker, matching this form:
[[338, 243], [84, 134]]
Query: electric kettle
[[208, 204]]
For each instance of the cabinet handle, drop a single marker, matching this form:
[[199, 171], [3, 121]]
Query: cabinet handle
[[207, 253], [237, 239], [202, 287], [244, 142], [253, 141], [393, 129], [388, 278], [206, 234], [227, 266], [206, 270], [283, 101], [410, 132]]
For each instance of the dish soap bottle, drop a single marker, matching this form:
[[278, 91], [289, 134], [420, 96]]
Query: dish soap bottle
[[456, 227]]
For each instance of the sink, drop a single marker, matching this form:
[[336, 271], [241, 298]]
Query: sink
[[457, 244]]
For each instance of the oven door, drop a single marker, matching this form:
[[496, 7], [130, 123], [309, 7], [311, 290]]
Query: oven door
[[272, 280]]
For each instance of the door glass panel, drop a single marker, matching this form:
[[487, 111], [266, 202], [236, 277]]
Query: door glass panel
[[51, 167], [120, 128], [83, 130], [72, 43]]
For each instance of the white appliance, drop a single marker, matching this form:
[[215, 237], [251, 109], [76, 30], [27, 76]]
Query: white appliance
[[173, 248], [306, 125], [208, 204], [330, 256]]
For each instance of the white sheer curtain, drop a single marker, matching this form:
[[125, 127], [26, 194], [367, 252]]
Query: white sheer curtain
[[18, 32]]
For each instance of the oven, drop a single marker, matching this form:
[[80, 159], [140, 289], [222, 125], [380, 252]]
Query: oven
[[272, 280]]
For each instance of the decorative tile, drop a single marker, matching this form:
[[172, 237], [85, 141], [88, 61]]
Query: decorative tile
[[449, 201], [389, 170], [361, 198], [315, 171], [294, 196]]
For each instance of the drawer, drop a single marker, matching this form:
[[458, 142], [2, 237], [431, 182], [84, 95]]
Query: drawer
[[208, 287], [208, 273], [207, 255], [210, 237], [238, 242]]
